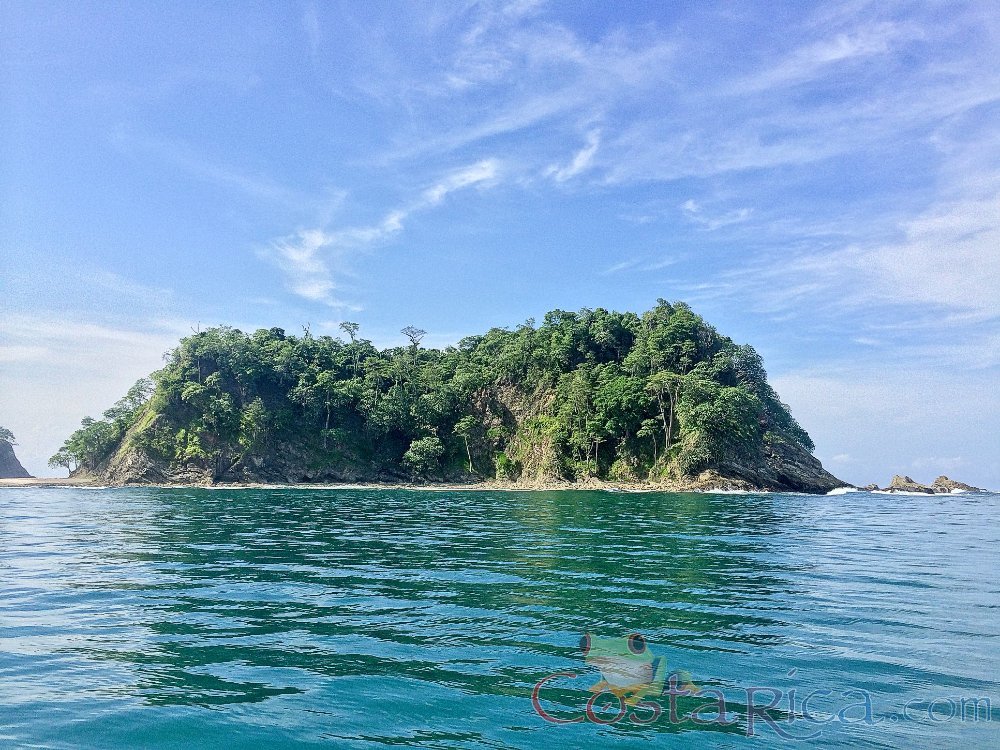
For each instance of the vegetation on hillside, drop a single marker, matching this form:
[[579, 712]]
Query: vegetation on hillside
[[583, 394]]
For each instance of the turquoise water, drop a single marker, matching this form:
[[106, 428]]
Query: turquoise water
[[153, 618]]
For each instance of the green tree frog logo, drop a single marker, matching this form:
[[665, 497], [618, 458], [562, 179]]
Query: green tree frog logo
[[629, 669]]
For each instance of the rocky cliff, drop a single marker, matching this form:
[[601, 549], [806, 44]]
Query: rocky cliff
[[10, 467], [780, 466]]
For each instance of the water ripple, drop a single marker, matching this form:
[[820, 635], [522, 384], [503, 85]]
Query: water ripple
[[361, 618]]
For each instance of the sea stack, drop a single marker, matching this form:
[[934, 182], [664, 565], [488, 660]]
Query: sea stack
[[941, 486]]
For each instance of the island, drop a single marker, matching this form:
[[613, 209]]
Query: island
[[659, 399], [10, 467], [941, 486]]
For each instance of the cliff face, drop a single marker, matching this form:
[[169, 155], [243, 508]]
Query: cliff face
[[779, 465], [10, 467], [783, 469]]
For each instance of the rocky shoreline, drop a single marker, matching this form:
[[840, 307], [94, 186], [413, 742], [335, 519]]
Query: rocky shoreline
[[940, 486], [706, 482]]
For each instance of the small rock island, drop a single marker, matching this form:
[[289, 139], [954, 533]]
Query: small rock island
[[940, 486]]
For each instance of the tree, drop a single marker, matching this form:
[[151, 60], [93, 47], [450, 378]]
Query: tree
[[351, 329], [649, 428], [63, 459], [666, 387], [464, 428], [253, 425], [6, 436], [125, 411], [415, 335], [424, 455]]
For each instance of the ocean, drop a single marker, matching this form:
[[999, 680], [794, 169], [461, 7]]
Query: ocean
[[361, 618]]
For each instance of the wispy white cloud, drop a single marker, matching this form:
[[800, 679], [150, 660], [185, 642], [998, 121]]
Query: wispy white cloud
[[308, 274], [663, 118], [943, 260], [812, 59], [695, 212], [306, 255], [206, 168], [482, 172], [622, 266], [656, 265], [537, 73], [947, 256], [580, 161]]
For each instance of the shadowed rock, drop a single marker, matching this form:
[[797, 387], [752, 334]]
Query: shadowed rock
[[10, 467]]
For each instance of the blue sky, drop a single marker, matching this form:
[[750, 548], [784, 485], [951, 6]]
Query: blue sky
[[819, 180]]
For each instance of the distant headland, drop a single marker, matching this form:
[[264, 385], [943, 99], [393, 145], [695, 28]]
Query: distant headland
[[10, 467]]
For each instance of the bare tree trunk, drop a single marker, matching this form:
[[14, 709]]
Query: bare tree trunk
[[468, 453], [670, 427], [663, 418], [673, 407]]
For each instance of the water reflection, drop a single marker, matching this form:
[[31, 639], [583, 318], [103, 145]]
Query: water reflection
[[444, 588]]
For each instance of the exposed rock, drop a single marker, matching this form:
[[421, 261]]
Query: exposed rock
[[130, 466], [941, 486], [799, 470], [945, 485], [907, 484], [10, 467], [783, 467]]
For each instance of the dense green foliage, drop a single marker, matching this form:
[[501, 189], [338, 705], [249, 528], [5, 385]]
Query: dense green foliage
[[97, 438], [589, 393]]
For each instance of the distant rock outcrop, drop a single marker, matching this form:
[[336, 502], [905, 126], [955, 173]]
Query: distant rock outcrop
[[10, 467], [907, 484], [945, 485], [941, 486]]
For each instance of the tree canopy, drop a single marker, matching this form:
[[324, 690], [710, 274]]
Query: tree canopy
[[587, 393]]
